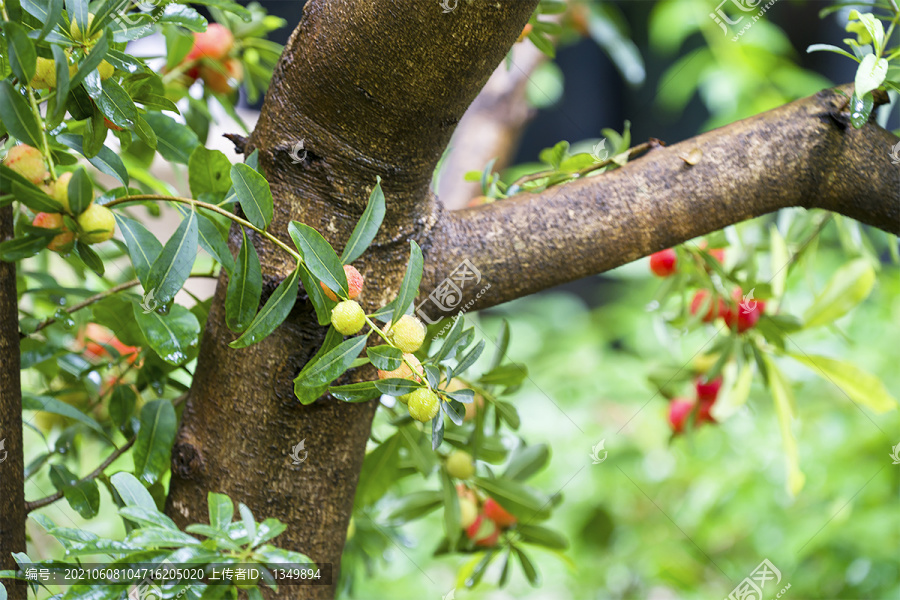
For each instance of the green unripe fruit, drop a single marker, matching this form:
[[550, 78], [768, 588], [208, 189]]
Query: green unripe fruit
[[404, 398], [44, 75], [97, 224], [59, 190], [407, 334], [460, 464], [423, 405], [348, 317]]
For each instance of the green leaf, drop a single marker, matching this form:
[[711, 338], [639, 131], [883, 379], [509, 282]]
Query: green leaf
[[212, 239], [147, 135], [829, 48], [248, 521], [52, 405], [221, 510], [173, 267], [505, 375], [175, 142], [173, 336], [244, 288], [17, 117], [157, 537], [780, 259], [469, 359], [122, 402], [88, 66], [452, 527], [313, 380], [542, 536], [33, 197], [23, 247], [355, 392], [116, 104], [78, 14], [379, 471], [254, 195], [106, 161], [870, 74], [527, 461], [319, 257], [522, 501], [143, 247], [849, 286], [415, 505], [61, 64], [396, 386], [861, 387], [409, 289], [81, 191], [153, 447], [502, 345], [783, 397], [273, 313], [531, 572], [367, 227], [131, 491], [83, 497], [22, 56], [386, 358], [89, 257], [316, 295], [184, 16], [209, 172], [145, 516]]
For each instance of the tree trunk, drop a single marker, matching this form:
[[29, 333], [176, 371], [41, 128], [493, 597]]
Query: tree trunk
[[368, 98], [12, 457]]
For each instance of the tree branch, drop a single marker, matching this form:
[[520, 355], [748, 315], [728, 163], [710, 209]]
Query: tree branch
[[802, 154]]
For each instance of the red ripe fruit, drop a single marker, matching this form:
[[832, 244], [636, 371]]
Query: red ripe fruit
[[214, 43], [61, 242], [483, 532], [744, 314], [222, 77], [718, 254], [498, 514], [708, 390], [679, 410], [354, 283], [714, 307], [663, 263], [703, 412]]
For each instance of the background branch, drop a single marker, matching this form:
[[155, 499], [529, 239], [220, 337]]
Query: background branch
[[802, 154]]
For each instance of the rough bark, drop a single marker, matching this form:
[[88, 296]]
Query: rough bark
[[802, 154], [12, 457], [368, 98]]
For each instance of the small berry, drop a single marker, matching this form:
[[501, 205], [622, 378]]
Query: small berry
[[27, 162], [214, 43], [403, 371], [472, 407], [465, 493], [708, 390], [59, 190], [460, 464], [97, 223], [714, 308], [663, 263], [423, 405], [44, 74], [106, 70], [739, 317], [498, 514], [679, 410], [222, 77], [408, 333], [483, 532], [348, 317], [703, 412], [61, 242], [468, 512], [718, 254], [525, 31], [354, 284]]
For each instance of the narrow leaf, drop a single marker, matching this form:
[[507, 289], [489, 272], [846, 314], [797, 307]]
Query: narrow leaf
[[409, 289], [244, 288], [173, 267], [272, 314], [153, 447], [319, 257], [254, 194], [367, 227]]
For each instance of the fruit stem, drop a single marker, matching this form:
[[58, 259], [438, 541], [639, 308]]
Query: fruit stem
[[213, 208], [383, 336]]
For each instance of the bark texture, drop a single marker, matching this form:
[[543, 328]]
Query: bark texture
[[12, 457], [372, 89], [801, 154]]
